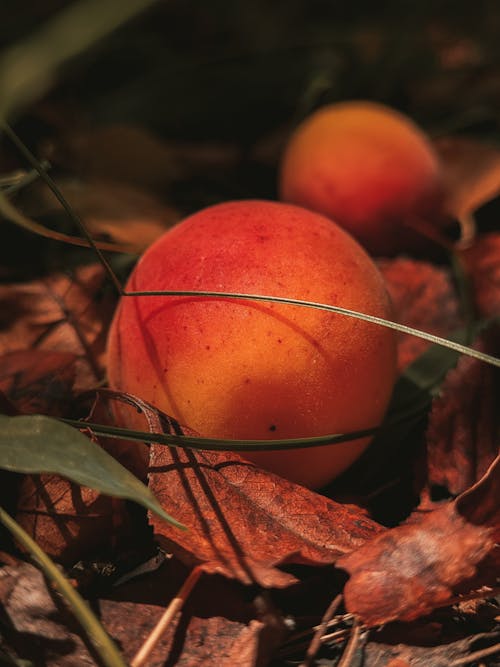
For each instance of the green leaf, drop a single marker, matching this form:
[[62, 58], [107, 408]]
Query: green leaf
[[36, 444], [418, 384]]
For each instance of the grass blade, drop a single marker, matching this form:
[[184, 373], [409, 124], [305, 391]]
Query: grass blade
[[380, 321], [28, 69]]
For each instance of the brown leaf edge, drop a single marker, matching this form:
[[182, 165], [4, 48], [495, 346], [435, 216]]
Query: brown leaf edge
[[411, 570]]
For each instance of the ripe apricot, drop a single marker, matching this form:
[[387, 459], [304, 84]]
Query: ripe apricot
[[369, 168], [230, 368]]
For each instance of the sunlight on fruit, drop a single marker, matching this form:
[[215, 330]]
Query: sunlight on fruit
[[254, 370]]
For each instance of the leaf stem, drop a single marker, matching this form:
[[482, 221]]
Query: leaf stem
[[315, 644]]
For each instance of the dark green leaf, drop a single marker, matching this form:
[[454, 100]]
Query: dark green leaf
[[36, 444]]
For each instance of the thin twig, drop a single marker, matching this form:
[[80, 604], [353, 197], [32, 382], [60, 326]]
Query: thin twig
[[169, 614], [477, 655], [480, 594], [334, 621], [468, 230], [320, 631], [337, 637], [351, 646]]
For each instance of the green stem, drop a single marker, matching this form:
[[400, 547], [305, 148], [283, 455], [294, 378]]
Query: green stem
[[104, 645]]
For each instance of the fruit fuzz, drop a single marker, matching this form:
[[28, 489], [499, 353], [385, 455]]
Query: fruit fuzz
[[238, 369], [369, 168]]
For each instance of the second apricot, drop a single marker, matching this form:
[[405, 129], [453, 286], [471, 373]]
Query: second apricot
[[369, 168]]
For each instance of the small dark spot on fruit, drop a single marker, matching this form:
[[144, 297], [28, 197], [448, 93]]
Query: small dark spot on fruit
[[272, 427], [207, 347], [247, 380], [279, 340]]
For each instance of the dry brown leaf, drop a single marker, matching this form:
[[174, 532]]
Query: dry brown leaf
[[480, 504], [463, 435], [132, 154], [220, 642], [217, 622], [378, 654], [471, 174], [424, 298], [38, 381], [38, 628], [483, 264], [117, 152], [244, 522], [111, 211], [67, 521], [411, 570], [61, 314]]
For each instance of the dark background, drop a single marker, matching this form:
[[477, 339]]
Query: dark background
[[236, 77], [235, 70]]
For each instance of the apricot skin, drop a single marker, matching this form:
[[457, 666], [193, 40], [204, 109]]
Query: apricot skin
[[253, 370], [369, 168]]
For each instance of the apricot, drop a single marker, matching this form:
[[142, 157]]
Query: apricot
[[231, 368], [369, 168]]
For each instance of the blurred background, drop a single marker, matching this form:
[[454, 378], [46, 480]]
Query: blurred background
[[190, 102]]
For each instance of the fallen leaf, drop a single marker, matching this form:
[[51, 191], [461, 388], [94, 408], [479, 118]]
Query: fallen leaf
[[219, 642], [67, 521], [471, 174], [217, 621], [245, 649], [411, 570], [378, 654], [38, 381], [483, 264], [480, 504], [132, 154], [463, 433], [244, 522], [424, 298], [126, 153], [60, 314], [38, 627], [111, 211]]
